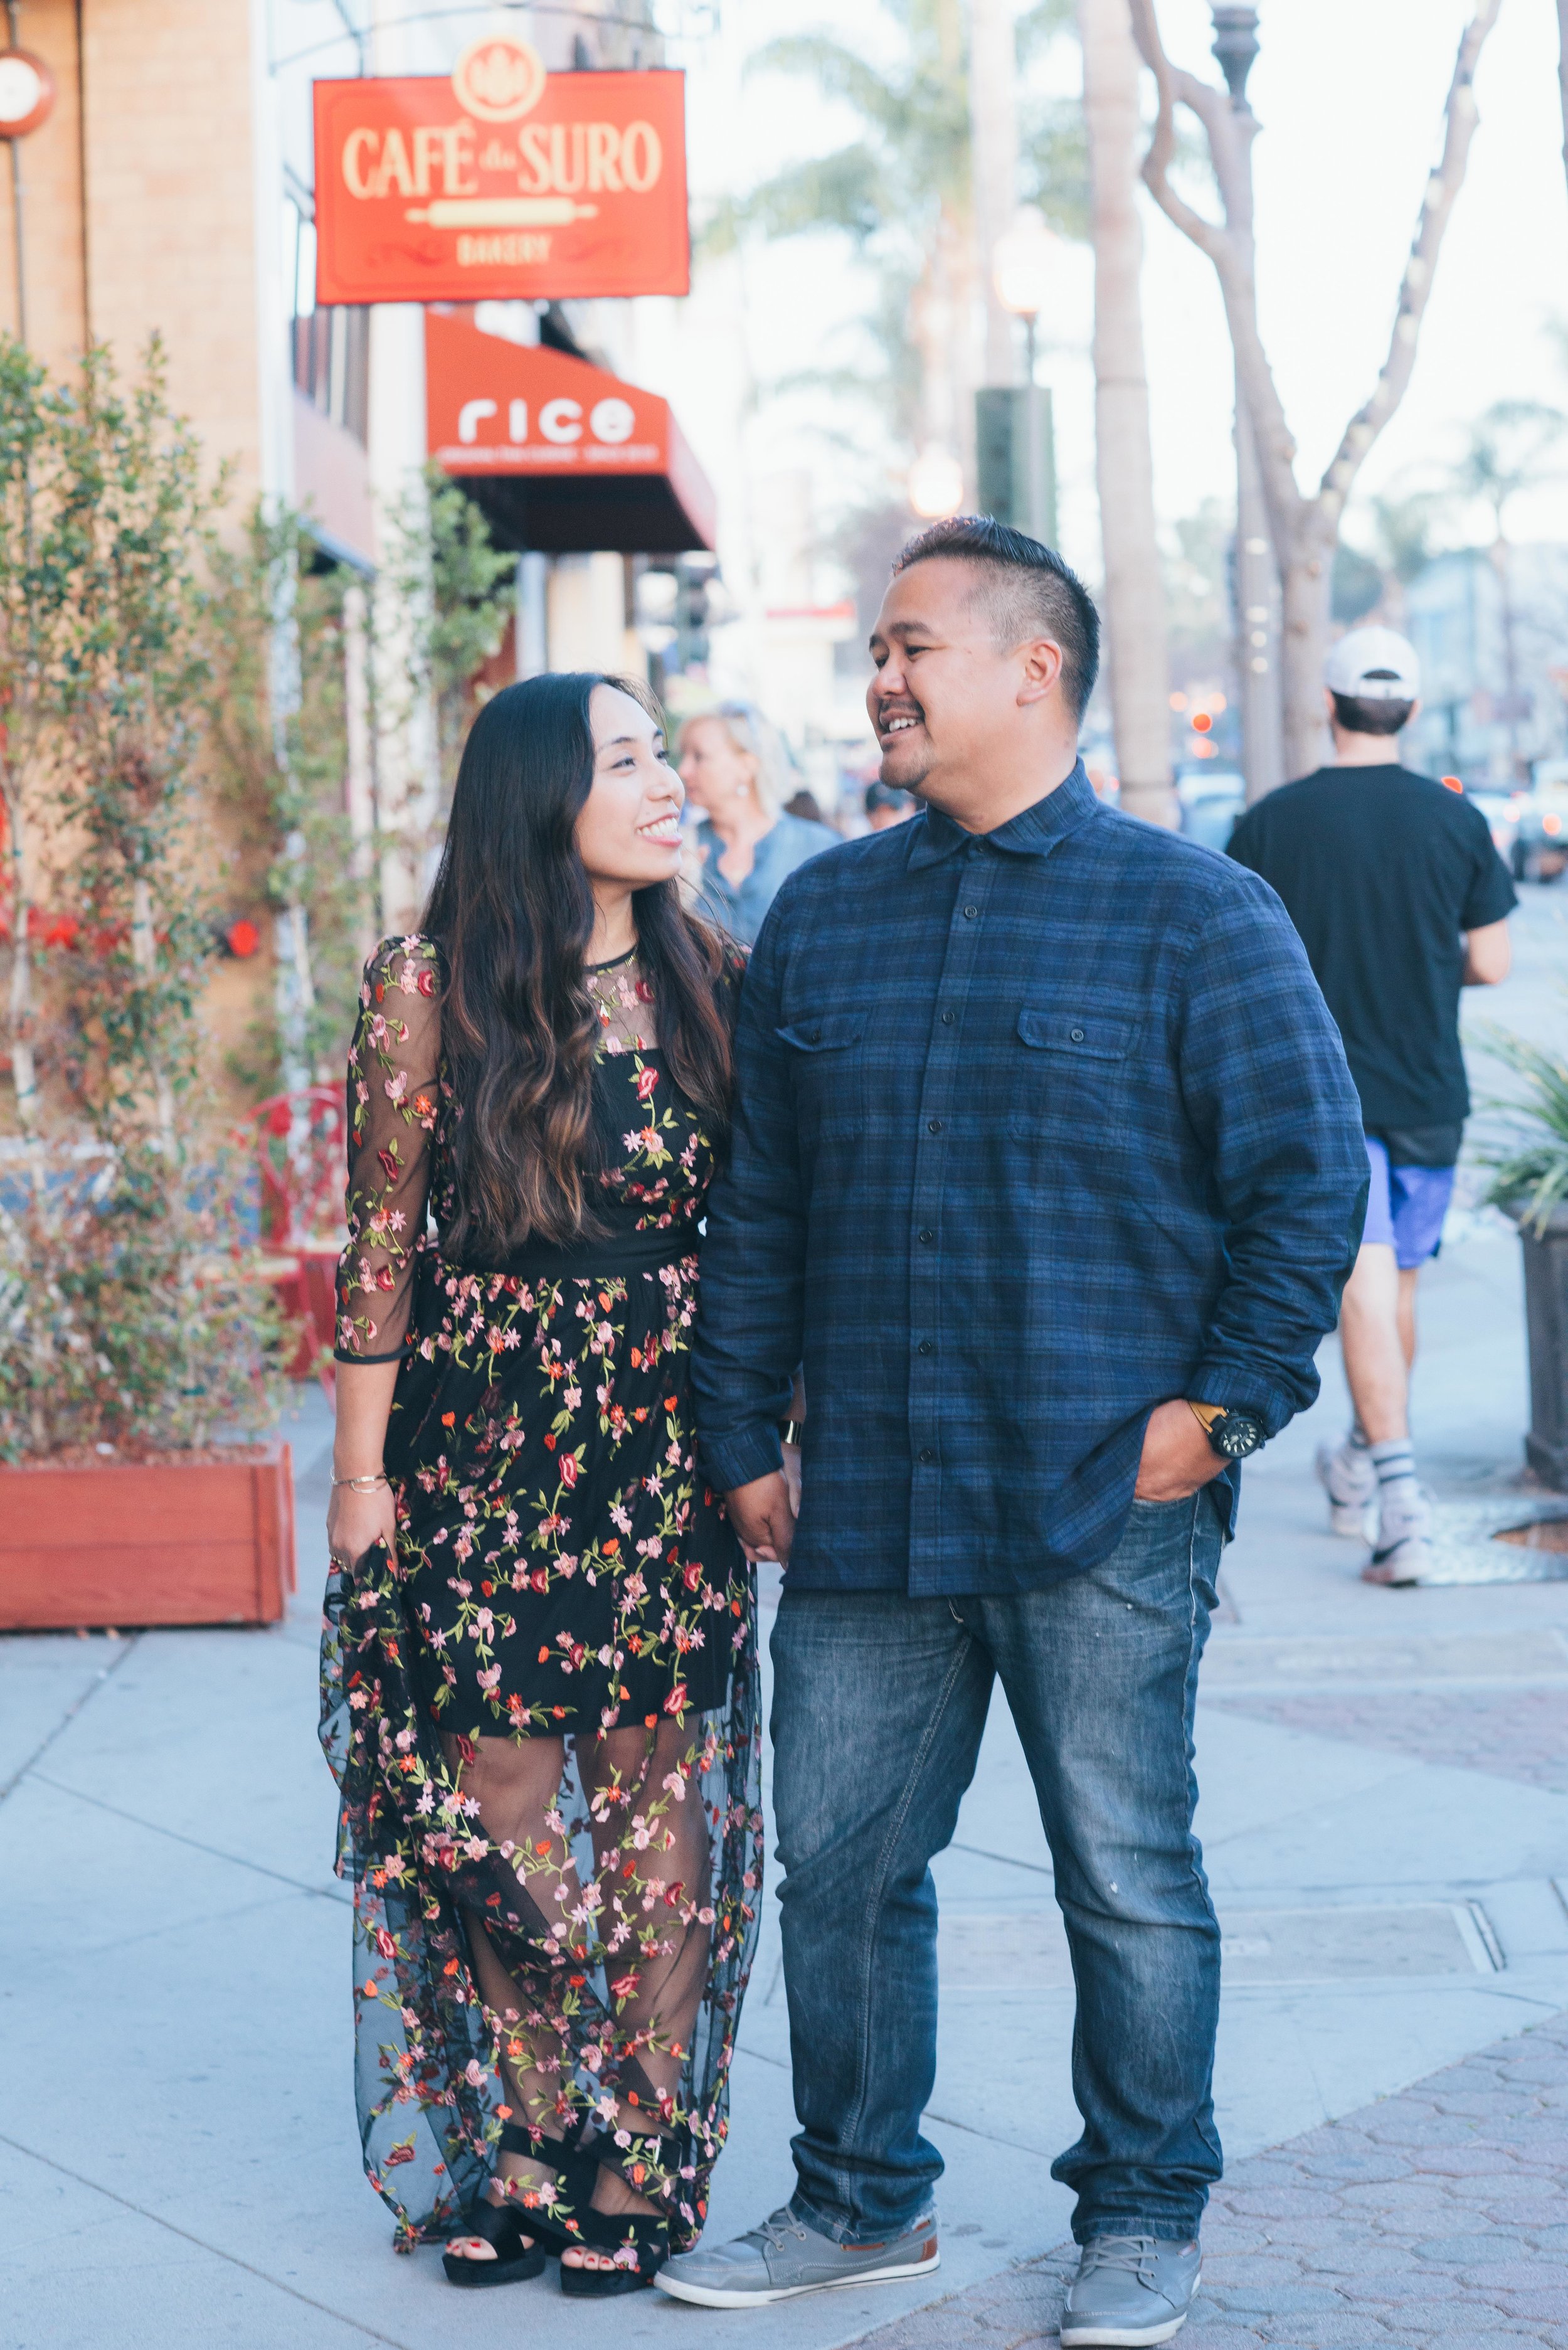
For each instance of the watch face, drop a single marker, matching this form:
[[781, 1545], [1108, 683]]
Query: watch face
[[1233, 1435]]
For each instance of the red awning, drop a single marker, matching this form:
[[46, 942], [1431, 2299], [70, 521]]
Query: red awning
[[562, 456]]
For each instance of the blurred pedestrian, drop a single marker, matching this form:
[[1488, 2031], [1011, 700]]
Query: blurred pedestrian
[[885, 807], [1047, 1165], [1401, 899], [804, 805], [737, 774], [539, 1687]]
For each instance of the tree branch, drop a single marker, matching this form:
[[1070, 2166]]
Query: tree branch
[[1415, 291], [1207, 235], [1230, 248]]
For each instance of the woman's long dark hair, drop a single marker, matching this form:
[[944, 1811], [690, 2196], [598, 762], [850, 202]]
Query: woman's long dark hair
[[513, 912]]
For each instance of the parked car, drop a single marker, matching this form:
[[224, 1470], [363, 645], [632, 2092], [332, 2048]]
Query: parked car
[[1539, 850], [1210, 803], [1501, 811]]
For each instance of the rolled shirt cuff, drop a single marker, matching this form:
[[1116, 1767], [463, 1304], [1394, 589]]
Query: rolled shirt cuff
[[736, 1460], [1238, 1387]]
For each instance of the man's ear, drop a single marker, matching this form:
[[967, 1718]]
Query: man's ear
[[1042, 669]]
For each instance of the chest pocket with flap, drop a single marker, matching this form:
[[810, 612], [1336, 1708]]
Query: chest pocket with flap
[[827, 1061], [1071, 1065], [1083, 1035]]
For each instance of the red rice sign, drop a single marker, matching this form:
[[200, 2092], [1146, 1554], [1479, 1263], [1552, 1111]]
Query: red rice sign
[[502, 182]]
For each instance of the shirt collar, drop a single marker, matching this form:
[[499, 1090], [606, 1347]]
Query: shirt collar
[[1033, 832]]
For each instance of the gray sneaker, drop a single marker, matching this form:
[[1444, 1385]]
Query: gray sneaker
[[785, 2257], [1130, 2290]]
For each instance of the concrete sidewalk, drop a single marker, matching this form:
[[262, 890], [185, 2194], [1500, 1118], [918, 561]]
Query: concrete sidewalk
[[1384, 1813]]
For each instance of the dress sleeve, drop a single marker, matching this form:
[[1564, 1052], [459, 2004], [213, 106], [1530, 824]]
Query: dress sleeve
[[393, 1095]]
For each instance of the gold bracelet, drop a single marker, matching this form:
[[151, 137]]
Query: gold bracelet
[[362, 1484]]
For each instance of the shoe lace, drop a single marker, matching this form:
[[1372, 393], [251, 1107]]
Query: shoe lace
[[1136, 2254], [776, 2227]]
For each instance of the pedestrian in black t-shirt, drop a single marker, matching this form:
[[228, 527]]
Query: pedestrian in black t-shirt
[[1401, 899]]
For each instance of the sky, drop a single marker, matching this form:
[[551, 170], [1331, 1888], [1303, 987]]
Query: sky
[[1349, 93]]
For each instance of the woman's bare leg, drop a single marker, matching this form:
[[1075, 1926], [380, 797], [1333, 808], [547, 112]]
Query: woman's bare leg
[[515, 1783], [670, 1987]]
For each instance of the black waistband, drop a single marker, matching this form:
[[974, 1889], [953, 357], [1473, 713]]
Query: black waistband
[[636, 1252]]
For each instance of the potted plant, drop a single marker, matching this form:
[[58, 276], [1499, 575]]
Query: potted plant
[[136, 1326], [1529, 1163]]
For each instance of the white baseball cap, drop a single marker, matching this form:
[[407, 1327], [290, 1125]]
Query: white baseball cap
[[1374, 665]]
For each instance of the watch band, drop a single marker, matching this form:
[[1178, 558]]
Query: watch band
[[790, 1430], [1206, 1414]]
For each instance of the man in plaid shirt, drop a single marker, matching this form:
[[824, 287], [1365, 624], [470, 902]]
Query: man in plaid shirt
[[1048, 1168]]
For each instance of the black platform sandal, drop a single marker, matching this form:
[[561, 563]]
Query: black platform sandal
[[502, 2226], [576, 2167], [639, 2233]]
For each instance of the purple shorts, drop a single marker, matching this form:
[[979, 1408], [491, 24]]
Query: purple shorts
[[1405, 1207]]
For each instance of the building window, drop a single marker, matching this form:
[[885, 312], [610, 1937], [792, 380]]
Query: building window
[[330, 348]]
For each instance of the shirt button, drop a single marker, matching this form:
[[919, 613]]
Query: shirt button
[[925, 1347], [927, 1452], [816, 1036], [933, 1126], [927, 1235], [1077, 1034], [970, 913], [947, 1019]]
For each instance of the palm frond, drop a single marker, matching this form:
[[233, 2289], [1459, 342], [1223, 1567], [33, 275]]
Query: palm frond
[[1038, 27], [838, 72], [844, 190], [1054, 156], [1528, 1154]]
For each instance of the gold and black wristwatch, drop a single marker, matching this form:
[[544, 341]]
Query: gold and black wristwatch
[[1232, 1434]]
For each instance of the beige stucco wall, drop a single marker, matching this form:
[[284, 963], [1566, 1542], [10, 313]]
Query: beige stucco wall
[[171, 227], [50, 161], [165, 89]]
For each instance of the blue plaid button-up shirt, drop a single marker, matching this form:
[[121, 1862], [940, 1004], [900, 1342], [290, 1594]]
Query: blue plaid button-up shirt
[[1035, 1130]]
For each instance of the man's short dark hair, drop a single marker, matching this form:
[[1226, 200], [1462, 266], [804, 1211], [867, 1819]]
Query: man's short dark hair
[[1359, 713], [1029, 592]]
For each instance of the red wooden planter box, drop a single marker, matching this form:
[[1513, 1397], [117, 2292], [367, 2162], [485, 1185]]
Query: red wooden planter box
[[119, 1543]]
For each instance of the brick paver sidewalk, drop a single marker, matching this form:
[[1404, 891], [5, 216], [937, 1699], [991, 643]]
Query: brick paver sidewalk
[[1437, 2219], [1514, 1733]]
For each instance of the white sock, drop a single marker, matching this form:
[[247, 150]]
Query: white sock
[[1399, 1508]]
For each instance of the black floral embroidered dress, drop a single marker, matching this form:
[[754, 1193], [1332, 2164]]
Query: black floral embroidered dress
[[564, 1575]]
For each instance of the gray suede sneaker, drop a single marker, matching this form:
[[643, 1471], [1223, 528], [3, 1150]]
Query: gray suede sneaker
[[1130, 2290], [785, 2257]]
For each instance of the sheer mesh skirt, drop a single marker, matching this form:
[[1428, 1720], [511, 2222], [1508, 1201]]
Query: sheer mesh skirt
[[552, 1931]]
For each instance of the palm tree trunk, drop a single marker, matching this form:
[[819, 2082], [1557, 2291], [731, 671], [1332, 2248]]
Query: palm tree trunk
[[1134, 591], [993, 147]]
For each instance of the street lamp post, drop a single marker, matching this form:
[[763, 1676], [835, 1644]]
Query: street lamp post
[[1015, 435], [1257, 573]]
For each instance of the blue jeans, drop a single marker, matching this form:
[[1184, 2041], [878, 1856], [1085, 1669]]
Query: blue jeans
[[878, 1707]]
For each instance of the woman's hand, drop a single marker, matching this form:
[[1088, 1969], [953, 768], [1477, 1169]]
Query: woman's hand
[[364, 1406], [356, 1522], [762, 1515]]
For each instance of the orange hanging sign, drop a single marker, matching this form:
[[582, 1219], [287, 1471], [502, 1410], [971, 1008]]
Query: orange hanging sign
[[501, 182]]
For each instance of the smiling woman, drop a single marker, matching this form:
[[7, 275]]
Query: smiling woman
[[539, 1672]]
